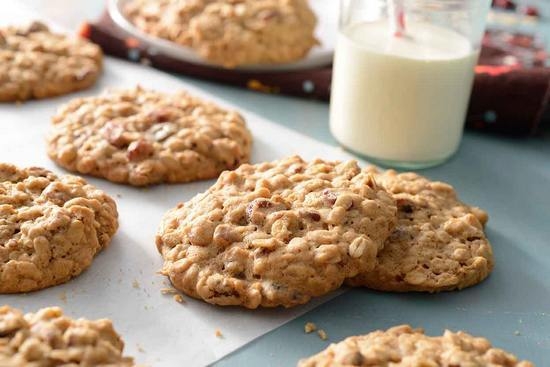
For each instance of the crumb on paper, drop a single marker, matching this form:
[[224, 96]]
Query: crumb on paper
[[178, 298], [517, 333], [135, 284], [219, 333], [118, 196], [140, 348], [322, 334], [168, 291], [310, 327], [63, 297]]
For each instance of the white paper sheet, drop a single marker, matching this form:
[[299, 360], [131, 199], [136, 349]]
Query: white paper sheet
[[122, 283]]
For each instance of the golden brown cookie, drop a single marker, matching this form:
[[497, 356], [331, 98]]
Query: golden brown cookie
[[438, 243], [276, 233], [37, 63], [50, 227], [143, 137], [50, 339], [402, 346], [231, 33]]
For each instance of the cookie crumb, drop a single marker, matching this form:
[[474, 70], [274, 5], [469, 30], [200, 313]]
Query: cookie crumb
[[140, 348], [63, 297], [517, 333], [165, 291], [218, 333], [135, 284], [310, 327], [322, 334], [178, 298]]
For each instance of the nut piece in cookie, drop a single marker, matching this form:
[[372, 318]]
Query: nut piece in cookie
[[276, 233], [231, 33], [49, 338], [36, 63], [143, 137], [50, 227], [438, 243], [404, 346]]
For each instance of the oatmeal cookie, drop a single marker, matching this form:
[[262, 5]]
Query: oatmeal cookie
[[231, 33], [402, 346], [50, 339], [438, 243], [142, 137], [37, 63], [276, 233], [50, 227]]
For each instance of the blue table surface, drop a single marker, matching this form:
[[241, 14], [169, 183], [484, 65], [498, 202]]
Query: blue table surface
[[508, 177]]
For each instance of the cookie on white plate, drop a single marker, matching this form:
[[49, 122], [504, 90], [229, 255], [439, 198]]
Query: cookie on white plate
[[231, 33]]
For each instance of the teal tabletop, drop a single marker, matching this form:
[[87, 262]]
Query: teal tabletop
[[508, 177]]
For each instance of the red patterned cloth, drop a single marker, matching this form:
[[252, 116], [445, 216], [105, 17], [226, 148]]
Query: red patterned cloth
[[507, 96]]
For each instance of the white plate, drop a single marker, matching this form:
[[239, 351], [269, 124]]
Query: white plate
[[327, 14]]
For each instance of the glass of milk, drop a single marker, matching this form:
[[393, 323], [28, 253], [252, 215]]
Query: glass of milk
[[402, 77]]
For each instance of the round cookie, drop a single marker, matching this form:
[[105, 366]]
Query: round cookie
[[36, 63], [276, 233], [50, 227], [402, 346], [231, 33], [438, 243], [48, 338], [144, 137]]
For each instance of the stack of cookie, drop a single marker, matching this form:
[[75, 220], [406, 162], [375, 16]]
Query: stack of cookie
[[279, 233]]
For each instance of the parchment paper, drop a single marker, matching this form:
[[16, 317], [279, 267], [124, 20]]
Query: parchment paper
[[122, 283]]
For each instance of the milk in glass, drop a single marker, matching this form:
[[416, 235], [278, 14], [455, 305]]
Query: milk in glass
[[401, 99]]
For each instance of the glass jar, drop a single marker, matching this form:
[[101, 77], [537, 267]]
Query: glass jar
[[402, 77]]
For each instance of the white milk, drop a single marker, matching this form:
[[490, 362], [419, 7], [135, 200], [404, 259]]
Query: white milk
[[401, 99]]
